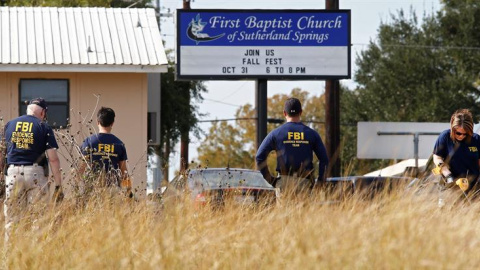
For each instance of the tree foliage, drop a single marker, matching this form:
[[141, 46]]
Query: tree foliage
[[179, 114], [224, 147], [416, 71]]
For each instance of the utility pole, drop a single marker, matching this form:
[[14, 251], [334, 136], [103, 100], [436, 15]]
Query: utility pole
[[184, 137], [261, 108], [332, 114], [158, 14]]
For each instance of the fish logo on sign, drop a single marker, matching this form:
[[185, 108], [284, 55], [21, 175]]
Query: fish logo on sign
[[195, 28]]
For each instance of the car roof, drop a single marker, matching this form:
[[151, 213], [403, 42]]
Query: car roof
[[200, 171], [223, 169]]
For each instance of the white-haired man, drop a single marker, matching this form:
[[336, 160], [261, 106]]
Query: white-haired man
[[30, 144]]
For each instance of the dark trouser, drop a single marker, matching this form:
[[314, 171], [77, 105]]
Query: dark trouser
[[454, 194], [291, 184]]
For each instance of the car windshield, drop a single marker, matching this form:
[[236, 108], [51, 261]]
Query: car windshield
[[227, 178]]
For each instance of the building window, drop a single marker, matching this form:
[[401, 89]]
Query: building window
[[55, 92]]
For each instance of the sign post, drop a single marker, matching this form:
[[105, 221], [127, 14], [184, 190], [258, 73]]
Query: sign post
[[261, 107], [416, 140]]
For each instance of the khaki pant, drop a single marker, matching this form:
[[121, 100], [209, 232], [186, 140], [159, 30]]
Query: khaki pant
[[25, 185]]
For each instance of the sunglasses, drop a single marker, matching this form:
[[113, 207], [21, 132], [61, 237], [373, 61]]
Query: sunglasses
[[460, 134]]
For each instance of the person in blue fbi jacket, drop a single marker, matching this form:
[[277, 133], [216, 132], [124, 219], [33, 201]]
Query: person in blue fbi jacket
[[294, 144], [457, 157], [106, 154], [29, 147]]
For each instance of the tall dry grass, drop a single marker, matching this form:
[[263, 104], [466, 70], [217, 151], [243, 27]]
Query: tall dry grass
[[393, 231]]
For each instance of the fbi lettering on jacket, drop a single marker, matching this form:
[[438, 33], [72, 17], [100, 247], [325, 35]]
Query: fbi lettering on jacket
[[295, 139]]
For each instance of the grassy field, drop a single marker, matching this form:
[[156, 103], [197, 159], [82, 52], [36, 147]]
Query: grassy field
[[397, 231]]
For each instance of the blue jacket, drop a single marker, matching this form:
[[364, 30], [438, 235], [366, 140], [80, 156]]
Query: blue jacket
[[294, 144], [462, 158], [27, 139]]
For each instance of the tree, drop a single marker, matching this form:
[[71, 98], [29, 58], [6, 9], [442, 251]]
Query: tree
[[224, 147], [178, 112], [416, 72]]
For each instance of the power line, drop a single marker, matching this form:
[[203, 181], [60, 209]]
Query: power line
[[221, 102], [419, 46], [236, 90], [228, 119], [269, 120]]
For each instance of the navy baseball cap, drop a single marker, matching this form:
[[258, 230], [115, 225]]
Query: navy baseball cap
[[40, 102], [293, 106]]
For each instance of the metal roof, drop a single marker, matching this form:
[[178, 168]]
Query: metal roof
[[54, 39]]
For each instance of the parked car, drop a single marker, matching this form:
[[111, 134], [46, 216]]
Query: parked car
[[219, 186], [366, 186]]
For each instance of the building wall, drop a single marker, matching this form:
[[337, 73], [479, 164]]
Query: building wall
[[126, 93]]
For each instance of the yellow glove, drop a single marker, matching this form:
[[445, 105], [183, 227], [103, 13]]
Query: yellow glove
[[437, 170], [127, 185], [463, 184]]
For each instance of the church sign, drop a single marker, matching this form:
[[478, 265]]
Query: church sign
[[269, 44]]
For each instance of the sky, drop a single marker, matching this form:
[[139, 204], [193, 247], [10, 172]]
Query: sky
[[225, 97]]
